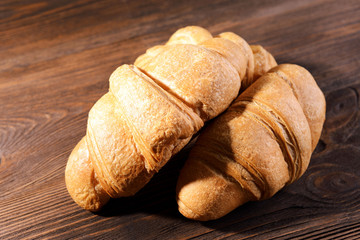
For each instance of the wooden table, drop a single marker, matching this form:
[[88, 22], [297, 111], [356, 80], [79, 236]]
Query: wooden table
[[55, 61]]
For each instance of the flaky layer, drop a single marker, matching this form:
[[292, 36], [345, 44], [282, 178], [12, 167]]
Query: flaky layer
[[309, 95]]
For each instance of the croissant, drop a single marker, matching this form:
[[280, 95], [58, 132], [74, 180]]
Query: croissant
[[152, 110], [263, 142]]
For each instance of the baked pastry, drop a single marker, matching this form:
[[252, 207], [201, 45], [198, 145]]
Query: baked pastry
[[263, 142], [152, 110]]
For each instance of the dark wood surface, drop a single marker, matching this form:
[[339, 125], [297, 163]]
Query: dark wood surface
[[55, 61]]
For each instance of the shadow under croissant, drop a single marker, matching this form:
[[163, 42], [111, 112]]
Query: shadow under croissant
[[158, 196]]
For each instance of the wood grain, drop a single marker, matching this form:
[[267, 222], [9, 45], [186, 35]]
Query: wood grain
[[55, 61]]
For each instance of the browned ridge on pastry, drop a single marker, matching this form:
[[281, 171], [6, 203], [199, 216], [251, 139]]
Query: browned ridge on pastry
[[154, 107], [263, 142]]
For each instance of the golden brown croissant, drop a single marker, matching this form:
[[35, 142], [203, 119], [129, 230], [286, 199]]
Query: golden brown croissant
[[260, 144], [153, 109]]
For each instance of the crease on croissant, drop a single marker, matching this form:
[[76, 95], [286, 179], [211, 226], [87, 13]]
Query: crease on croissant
[[194, 77], [278, 127], [188, 58], [173, 97], [152, 161], [179, 95], [105, 178], [239, 172]]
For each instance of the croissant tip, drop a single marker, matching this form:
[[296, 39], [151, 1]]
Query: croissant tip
[[189, 213]]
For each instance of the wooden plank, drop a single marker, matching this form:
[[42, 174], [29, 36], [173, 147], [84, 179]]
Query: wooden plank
[[55, 61]]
